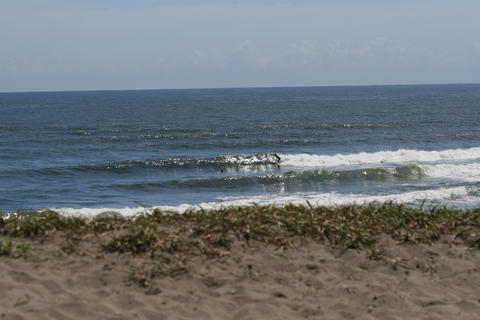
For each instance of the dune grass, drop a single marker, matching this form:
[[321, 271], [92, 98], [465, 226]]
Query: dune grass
[[13, 249], [208, 231]]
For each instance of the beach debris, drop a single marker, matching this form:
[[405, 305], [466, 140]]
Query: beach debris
[[279, 295]]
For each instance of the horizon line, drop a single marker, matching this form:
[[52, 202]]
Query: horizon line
[[243, 87]]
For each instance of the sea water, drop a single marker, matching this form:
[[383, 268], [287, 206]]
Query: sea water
[[132, 151]]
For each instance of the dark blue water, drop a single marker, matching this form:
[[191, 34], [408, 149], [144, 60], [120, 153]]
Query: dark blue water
[[118, 149]]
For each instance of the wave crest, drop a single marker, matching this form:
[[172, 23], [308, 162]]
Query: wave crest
[[401, 156]]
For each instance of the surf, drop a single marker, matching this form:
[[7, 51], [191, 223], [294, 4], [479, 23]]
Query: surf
[[401, 156]]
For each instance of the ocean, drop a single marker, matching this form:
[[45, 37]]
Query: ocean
[[131, 151]]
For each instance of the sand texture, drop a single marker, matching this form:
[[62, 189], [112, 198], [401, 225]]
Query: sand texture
[[251, 281]]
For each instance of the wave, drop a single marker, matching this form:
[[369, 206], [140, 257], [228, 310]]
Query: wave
[[302, 169], [310, 161], [463, 172], [434, 196], [401, 156], [215, 163], [219, 163], [336, 199], [288, 181]]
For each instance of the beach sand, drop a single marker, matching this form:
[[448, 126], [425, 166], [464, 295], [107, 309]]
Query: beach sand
[[252, 280]]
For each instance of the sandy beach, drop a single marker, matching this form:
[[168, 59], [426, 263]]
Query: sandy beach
[[64, 277]]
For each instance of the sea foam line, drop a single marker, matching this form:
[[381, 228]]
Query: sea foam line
[[381, 157], [337, 199], [314, 199]]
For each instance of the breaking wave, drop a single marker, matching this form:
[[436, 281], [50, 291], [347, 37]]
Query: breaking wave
[[314, 199], [401, 156]]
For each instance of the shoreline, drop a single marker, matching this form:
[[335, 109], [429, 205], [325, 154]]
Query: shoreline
[[377, 261]]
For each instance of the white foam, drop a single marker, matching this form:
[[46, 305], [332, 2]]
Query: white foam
[[315, 199], [382, 157], [93, 212], [462, 172], [336, 199]]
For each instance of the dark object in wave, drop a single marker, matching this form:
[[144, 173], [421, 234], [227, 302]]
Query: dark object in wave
[[278, 157]]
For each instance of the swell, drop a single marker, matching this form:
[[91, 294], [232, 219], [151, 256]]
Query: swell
[[216, 164], [287, 181], [438, 164], [231, 180]]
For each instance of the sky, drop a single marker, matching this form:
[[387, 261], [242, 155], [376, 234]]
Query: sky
[[56, 45]]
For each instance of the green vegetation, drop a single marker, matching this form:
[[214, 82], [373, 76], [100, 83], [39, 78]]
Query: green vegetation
[[141, 236], [212, 232], [32, 224], [164, 241], [12, 249]]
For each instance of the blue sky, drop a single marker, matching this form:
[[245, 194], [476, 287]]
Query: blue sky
[[82, 45]]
